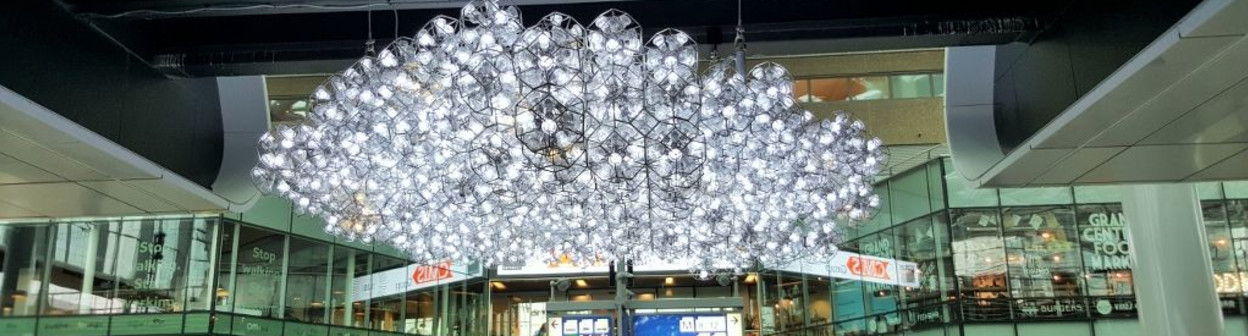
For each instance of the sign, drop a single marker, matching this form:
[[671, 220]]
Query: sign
[[147, 324], [74, 326], [579, 326], [17, 326], [687, 324], [853, 266], [412, 277], [1107, 235], [429, 273]]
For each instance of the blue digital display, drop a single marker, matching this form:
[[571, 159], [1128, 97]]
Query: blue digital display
[[680, 325]]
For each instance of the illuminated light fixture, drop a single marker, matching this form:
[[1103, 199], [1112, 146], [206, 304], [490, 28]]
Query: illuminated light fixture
[[498, 285], [222, 293], [751, 278], [581, 283], [317, 304], [478, 138], [669, 281]]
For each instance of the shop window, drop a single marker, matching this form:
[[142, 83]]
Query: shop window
[[205, 241], [84, 273], [833, 89], [1042, 252], [818, 299], [911, 86], [1105, 248], [349, 300], [801, 90], [980, 264], [920, 242], [22, 266], [307, 281], [225, 268], [882, 298], [261, 254], [385, 312], [419, 312], [1237, 221], [872, 88], [1227, 277], [162, 265]]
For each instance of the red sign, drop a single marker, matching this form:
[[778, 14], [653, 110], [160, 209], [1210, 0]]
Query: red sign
[[435, 272], [870, 268]]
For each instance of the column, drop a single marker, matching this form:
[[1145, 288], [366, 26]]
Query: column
[[1172, 270]]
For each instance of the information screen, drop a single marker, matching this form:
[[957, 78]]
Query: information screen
[[687, 325], [579, 326]]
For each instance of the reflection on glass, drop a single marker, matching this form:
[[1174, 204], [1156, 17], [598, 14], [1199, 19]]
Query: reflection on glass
[[384, 312], [911, 86], [22, 267], [1106, 251], [833, 89], [801, 90], [1042, 252], [873, 88], [307, 281], [979, 263], [289, 111], [260, 272], [938, 84], [84, 271]]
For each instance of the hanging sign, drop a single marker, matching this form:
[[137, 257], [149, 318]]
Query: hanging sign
[[412, 277], [853, 266]]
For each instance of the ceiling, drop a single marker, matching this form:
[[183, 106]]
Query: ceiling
[[1176, 112], [51, 167], [214, 37]]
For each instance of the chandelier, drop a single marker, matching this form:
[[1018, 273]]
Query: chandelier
[[482, 139]]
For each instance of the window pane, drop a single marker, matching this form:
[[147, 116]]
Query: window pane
[[1041, 251], [83, 270], [869, 88], [938, 84], [307, 280], [1106, 251], [962, 195], [830, 89], [199, 290], [384, 311], [801, 90], [911, 86], [260, 272], [152, 276], [909, 196], [979, 264], [1226, 277], [22, 265]]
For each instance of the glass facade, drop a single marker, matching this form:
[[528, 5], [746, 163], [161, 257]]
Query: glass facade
[[207, 275], [1036, 261]]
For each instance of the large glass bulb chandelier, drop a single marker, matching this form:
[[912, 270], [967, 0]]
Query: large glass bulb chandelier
[[480, 138]]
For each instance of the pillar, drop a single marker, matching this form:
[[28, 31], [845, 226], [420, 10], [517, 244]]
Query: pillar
[[1172, 270]]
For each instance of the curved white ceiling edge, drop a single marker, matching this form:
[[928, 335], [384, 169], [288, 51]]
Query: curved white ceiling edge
[[969, 120], [244, 118]]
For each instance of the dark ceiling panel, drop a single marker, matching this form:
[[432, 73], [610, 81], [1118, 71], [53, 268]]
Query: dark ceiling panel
[[257, 39]]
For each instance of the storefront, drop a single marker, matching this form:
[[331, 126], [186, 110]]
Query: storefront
[[1038, 261]]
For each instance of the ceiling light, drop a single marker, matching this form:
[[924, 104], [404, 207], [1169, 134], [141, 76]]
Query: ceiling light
[[482, 139], [498, 285], [581, 283], [669, 281]]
